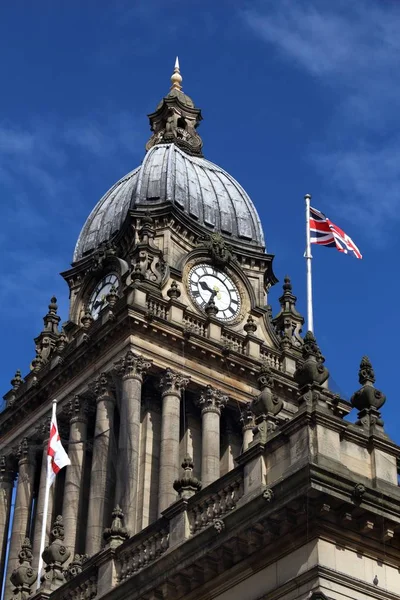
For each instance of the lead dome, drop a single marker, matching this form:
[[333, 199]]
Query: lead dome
[[175, 172]]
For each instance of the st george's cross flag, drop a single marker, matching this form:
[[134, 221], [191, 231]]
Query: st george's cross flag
[[57, 457], [326, 233]]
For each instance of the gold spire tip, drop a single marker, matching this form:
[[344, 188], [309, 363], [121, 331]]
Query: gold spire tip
[[176, 77]]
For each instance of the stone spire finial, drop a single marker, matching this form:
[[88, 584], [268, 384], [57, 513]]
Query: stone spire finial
[[188, 484], [117, 533], [23, 576], [288, 322], [173, 291], [176, 119], [312, 371], [368, 400], [55, 555], [17, 380], [176, 77], [51, 320], [211, 308]]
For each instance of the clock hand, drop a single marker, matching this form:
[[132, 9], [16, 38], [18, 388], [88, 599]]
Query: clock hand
[[99, 302], [205, 286]]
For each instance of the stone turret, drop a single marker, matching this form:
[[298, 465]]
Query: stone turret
[[176, 119]]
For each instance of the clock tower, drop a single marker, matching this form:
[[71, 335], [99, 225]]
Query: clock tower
[[209, 458]]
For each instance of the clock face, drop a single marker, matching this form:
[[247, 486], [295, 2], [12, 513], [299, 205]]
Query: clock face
[[98, 298], [206, 282]]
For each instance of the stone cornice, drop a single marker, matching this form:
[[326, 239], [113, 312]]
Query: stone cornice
[[80, 355]]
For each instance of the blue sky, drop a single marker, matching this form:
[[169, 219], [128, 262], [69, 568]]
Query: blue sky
[[297, 97]]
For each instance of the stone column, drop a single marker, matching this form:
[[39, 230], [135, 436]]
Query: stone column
[[132, 369], [102, 475], [7, 476], [40, 502], [211, 402], [172, 385], [74, 484], [22, 510], [247, 419]]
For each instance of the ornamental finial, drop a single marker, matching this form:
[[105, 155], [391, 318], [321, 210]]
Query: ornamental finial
[[176, 77]]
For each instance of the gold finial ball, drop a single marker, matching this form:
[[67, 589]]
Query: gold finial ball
[[176, 77]]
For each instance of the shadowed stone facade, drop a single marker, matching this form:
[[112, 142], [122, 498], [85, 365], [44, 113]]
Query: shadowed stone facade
[[209, 458]]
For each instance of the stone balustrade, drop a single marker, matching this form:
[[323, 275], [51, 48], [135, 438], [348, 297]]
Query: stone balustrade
[[195, 325], [271, 358], [215, 501], [235, 342], [157, 308], [141, 550]]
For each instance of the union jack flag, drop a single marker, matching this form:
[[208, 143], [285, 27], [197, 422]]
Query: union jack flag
[[326, 233]]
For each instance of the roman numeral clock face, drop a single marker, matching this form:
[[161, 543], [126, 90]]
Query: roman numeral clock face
[[206, 282]]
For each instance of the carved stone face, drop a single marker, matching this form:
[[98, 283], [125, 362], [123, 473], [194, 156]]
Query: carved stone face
[[98, 297], [208, 283]]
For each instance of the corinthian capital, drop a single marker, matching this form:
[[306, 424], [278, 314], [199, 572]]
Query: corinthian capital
[[133, 366], [78, 409], [25, 451], [173, 383], [7, 469], [212, 400], [103, 386]]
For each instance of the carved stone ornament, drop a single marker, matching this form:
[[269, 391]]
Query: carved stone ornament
[[76, 566], [16, 383], [173, 383], [247, 417], [187, 485], [210, 308], [212, 400], [86, 319], [359, 491], [267, 403], [219, 525], [98, 259], [312, 370], [266, 406], [251, 326], [173, 291], [17, 380], [55, 555], [219, 251], [117, 533], [368, 396], [132, 366], [268, 494], [23, 576]]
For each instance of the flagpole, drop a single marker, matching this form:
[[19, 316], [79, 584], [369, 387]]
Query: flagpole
[[308, 257], [46, 504]]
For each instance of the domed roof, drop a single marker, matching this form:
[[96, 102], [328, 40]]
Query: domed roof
[[174, 171], [201, 189]]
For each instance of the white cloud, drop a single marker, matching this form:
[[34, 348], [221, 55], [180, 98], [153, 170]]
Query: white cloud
[[352, 48]]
